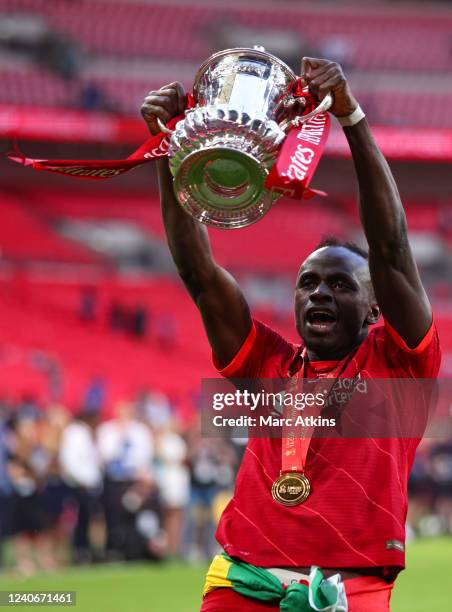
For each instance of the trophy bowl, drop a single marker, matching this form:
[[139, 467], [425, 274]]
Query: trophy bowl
[[223, 150]]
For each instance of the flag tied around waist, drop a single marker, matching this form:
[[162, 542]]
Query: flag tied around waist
[[313, 595], [290, 175]]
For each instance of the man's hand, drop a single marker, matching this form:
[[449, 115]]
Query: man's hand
[[323, 77], [164, 104]]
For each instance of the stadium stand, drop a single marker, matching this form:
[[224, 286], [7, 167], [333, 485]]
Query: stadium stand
[[161, 29], [247, 249], [369, 41], [23, 236], [43, 318]]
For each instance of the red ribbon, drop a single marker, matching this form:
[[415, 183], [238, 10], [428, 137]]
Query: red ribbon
[[296, 441], [291, 174], [300, 152], [153, 148]]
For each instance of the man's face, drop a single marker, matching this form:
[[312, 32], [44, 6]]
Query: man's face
[[333, 299]]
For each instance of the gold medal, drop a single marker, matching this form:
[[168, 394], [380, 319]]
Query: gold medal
[[291, 489]]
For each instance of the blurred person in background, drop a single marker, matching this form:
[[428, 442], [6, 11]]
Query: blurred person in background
[[211, 464], [420, 489], [95, 393], [126, 450], [28, 467], [117, 316], [166, 332], [81, 471], [88, 306], [139, 321], [5, 483], [154, 409], [440, 468], [92, 97], [173, 477], [55, 492]]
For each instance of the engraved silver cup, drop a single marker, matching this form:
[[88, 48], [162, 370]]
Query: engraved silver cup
[[222, 152]]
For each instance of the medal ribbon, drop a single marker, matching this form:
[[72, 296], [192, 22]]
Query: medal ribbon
[[297, 159], [296, 440], [295, 447]]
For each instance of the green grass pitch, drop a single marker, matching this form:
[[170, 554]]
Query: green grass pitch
[[425, 586]]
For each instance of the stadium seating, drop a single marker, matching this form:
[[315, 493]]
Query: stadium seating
[[42, 318], [25, 236], [376, 40], [31, 215], [245, 250], [182, 29], [125, 94]]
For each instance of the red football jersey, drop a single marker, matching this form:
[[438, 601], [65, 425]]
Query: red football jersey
[[355, 514]]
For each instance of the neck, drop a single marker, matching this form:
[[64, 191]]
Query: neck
[[331, 355]]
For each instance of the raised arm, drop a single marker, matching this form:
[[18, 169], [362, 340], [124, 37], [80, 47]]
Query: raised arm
[[224, 310], [393, 270]]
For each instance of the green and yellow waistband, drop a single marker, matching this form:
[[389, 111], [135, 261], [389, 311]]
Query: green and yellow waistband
[[321, 595]]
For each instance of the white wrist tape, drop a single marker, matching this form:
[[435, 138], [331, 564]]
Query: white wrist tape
[[352, 119]]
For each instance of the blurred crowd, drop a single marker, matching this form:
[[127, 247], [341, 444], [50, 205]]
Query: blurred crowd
[[75, 489]]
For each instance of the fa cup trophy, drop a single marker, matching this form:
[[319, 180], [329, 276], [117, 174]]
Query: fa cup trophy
[[234, 152], [223, 150]]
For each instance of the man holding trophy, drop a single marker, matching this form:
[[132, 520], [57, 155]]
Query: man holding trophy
[[339, 544]]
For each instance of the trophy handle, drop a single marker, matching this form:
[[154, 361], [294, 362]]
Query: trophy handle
[[163, 128], [324, 105]]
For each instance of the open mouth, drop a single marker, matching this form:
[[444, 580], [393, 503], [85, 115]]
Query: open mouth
[[321, 320]]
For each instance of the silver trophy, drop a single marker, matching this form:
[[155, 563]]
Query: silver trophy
[[222, 152]]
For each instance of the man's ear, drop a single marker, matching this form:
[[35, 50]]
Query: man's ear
[[373, 314]]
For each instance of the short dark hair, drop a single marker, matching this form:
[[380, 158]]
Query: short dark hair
[[333, 241]]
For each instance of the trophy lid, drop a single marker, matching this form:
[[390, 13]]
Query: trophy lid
[[249, 53]]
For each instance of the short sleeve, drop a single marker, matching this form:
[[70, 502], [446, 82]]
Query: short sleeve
[[424, 360], [264, 354]]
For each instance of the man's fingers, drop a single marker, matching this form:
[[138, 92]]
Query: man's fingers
[[159, 104], [151, 110], [305, 68], [326, 76], [151, 122], [151, 113], [164, 104], [308, 64], [176, 88], [182, 98], [322, 78], [170, 98], [159, 97], [319, 76], [173, 85]]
